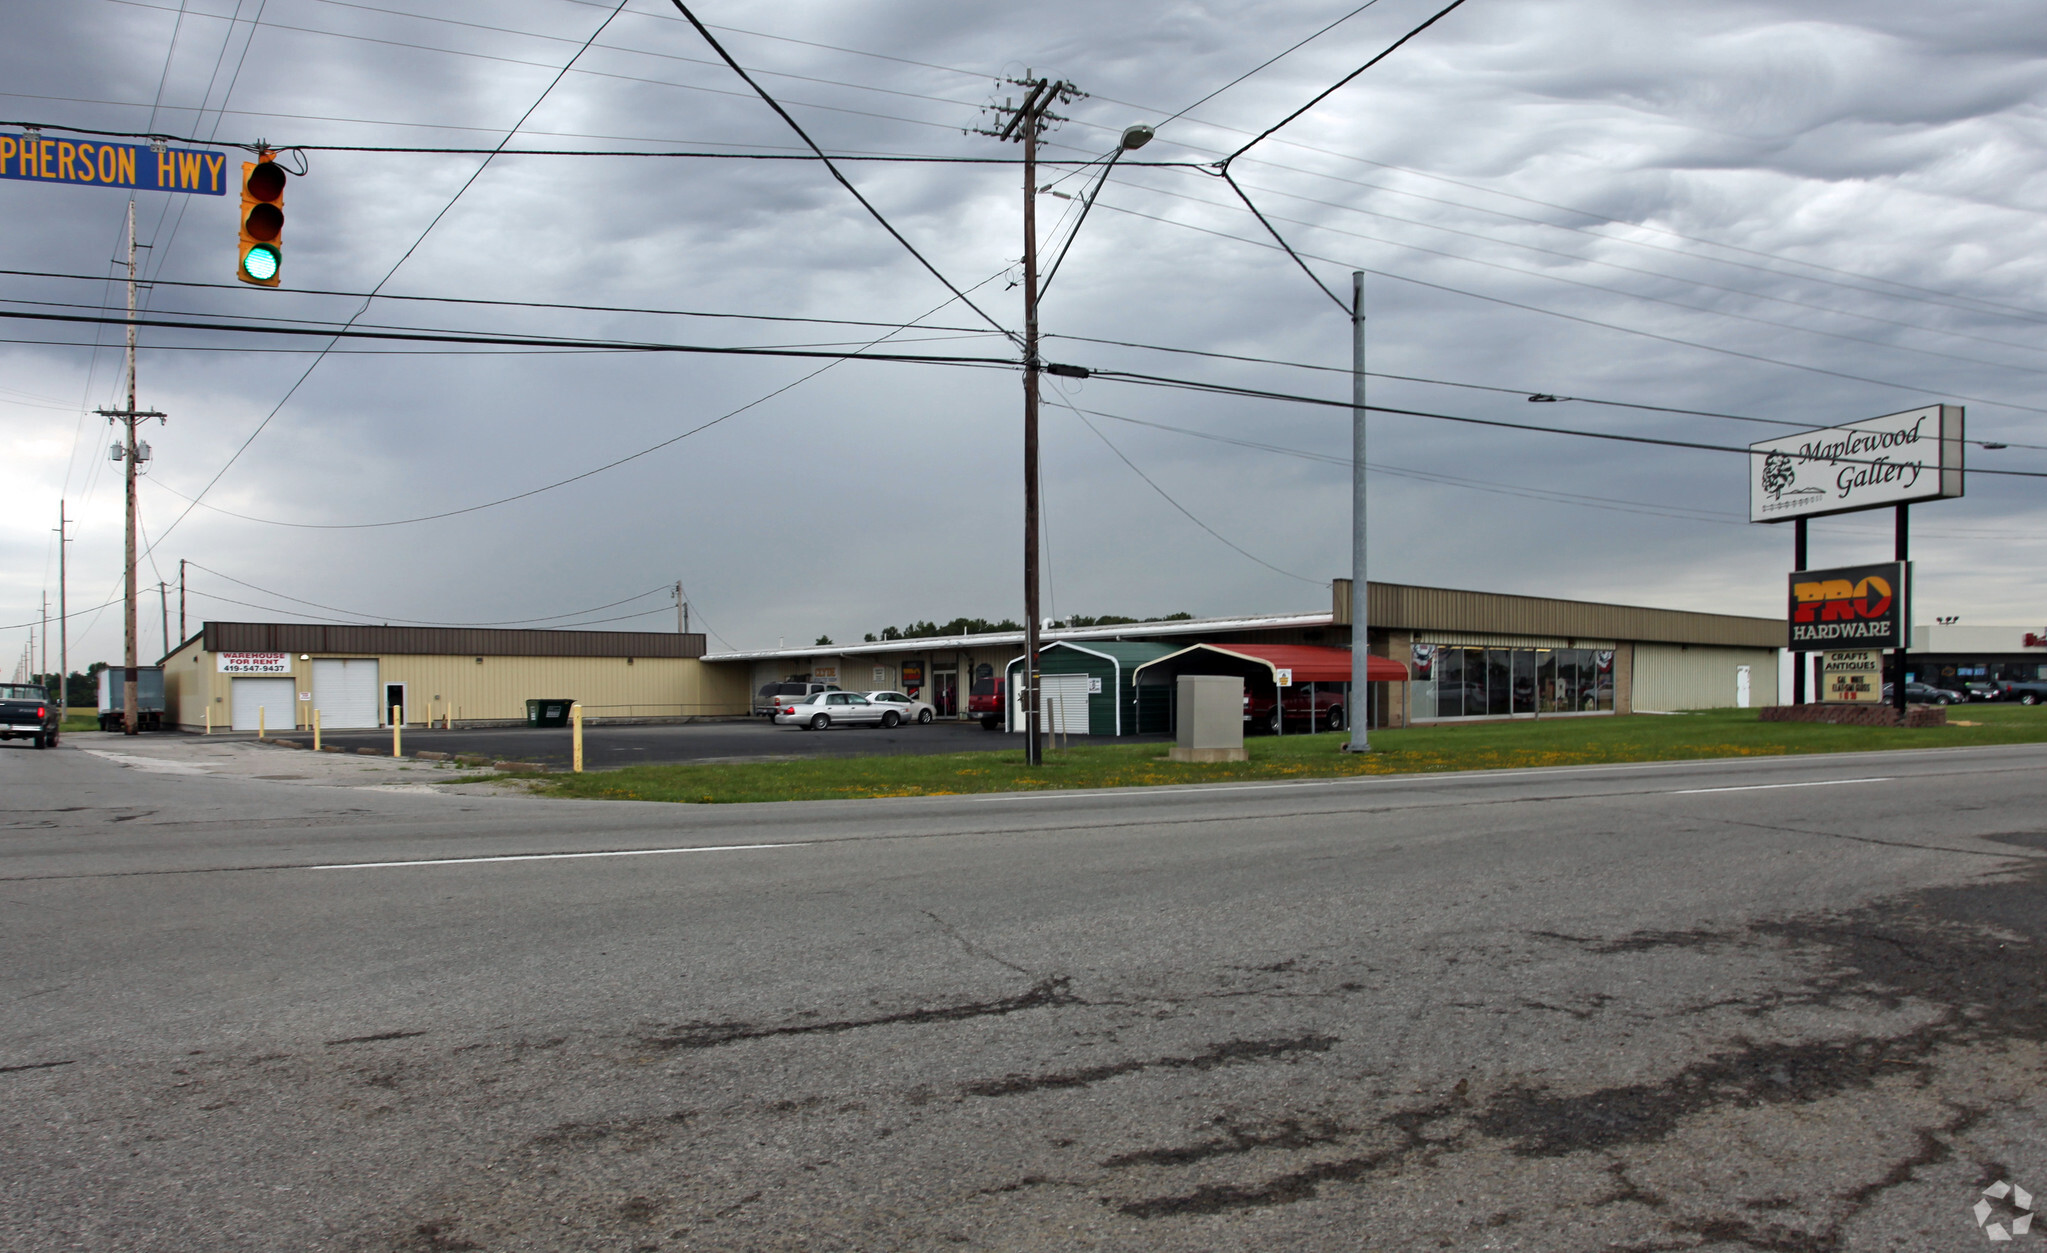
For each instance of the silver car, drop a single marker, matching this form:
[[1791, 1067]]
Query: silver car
[[822, 709], [908, 708]]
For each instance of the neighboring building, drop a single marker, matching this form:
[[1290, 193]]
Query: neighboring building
[[231, 674], [1468, 654], [1465, 655], [1952, 656]]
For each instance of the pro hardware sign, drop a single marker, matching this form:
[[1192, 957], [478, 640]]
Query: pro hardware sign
[[1892, 460], [1851, 607], [135, 167]]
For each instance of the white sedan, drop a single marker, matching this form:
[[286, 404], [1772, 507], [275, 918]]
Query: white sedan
[[821, 709], [908, 708]]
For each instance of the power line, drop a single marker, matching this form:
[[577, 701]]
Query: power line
[[1507, 242], [835, 171], [508, 304], [314, 364], [1224, 389], [1572, 317], [388, 618], [616, 462], [1338, 84], [1268, 62], [1168, 498], [566, 626], [525, 341], [1558, 278]]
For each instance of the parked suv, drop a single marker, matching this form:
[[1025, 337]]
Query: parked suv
[[984, 701], [773, 698]]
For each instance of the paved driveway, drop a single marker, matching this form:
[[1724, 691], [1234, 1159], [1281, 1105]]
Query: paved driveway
[[606, 747]]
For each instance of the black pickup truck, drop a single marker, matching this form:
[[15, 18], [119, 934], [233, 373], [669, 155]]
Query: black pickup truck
[[2023, 693], [26, 711]]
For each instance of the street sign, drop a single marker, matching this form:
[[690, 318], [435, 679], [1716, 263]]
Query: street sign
[[1851, 606], [131, 167], [1892, 460]]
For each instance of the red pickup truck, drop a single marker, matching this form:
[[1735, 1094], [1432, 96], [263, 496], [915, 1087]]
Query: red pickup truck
[[984, 701], [1327, 706]]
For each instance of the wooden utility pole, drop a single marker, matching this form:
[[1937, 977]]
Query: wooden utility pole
[[130, 451], [1025, 122]]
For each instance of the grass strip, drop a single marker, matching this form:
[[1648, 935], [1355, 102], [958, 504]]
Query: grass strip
[[1577, 741]]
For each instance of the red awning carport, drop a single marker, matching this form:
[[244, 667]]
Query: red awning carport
[[1306, 663]]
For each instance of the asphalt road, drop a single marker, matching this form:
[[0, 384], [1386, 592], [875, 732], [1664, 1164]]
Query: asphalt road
[[605, 747], [1790, 1004]]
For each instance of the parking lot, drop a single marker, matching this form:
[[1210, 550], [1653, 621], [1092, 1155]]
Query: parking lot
[[607, 747]]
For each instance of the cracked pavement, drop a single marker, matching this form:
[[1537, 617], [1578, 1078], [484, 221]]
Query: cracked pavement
[[1788, 1004]]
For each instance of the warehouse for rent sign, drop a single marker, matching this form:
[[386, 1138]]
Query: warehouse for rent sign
[[1851, 607], [1892, 460], [255, 663]]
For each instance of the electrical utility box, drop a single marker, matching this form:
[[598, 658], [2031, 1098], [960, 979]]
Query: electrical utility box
[[1210, 718]]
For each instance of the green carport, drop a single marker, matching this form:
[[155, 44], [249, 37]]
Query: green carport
[[1096, 676]]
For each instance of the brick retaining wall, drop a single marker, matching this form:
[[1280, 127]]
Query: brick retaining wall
[[1858, 715]]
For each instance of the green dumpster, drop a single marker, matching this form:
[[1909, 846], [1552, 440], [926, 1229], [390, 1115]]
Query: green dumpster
[[548, 713]]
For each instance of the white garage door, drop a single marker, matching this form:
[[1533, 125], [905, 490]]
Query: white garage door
[[1062, 701], [276, 698], [345, 693]]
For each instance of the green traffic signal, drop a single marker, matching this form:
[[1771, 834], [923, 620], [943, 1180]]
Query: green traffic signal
[[261, 263]]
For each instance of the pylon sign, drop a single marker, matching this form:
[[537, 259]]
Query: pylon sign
[[130, 167], [1871, 464]]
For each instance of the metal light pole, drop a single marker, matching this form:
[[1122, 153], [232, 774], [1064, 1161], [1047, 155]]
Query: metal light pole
[[1360, 594]]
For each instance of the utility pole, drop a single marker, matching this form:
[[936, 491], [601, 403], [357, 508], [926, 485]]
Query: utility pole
[[681, 609], [163, 602], [1360, 589], [43, 665], [63, 618], [182, 637], [131, 452], [1025, 122]]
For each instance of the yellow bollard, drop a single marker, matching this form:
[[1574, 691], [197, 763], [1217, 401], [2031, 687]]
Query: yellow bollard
[[316, 730], [209, 720], [260, 711], [394, 730], [576, 735]]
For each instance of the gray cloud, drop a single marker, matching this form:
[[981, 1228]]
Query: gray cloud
[[1873, 159]]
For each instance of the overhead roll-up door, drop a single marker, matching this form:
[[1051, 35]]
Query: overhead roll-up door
[[1062, 700], [345, 692], [276, 698]]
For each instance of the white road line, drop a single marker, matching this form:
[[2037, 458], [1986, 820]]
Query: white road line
[[623, 852], [1141, 792], [1764, 787]]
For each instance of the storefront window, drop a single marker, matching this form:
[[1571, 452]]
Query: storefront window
[[1498, 682]]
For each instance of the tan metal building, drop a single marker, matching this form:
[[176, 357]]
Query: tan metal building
[[237, 675]]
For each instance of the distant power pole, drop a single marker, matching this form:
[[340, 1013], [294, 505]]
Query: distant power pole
[[1025, 122], [163, 600], [182, 637], [681, 609], [63, 617]]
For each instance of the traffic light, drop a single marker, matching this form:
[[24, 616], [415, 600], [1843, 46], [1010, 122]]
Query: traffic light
[[262, 252]]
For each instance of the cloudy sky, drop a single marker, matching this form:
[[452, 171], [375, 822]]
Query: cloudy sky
[[1794, 213]]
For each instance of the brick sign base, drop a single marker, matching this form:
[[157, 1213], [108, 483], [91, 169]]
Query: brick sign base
[[1858, 715]]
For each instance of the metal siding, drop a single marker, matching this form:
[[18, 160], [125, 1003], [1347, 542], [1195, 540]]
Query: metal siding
[[1669, 677], [295, 637], [1397, 606]]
